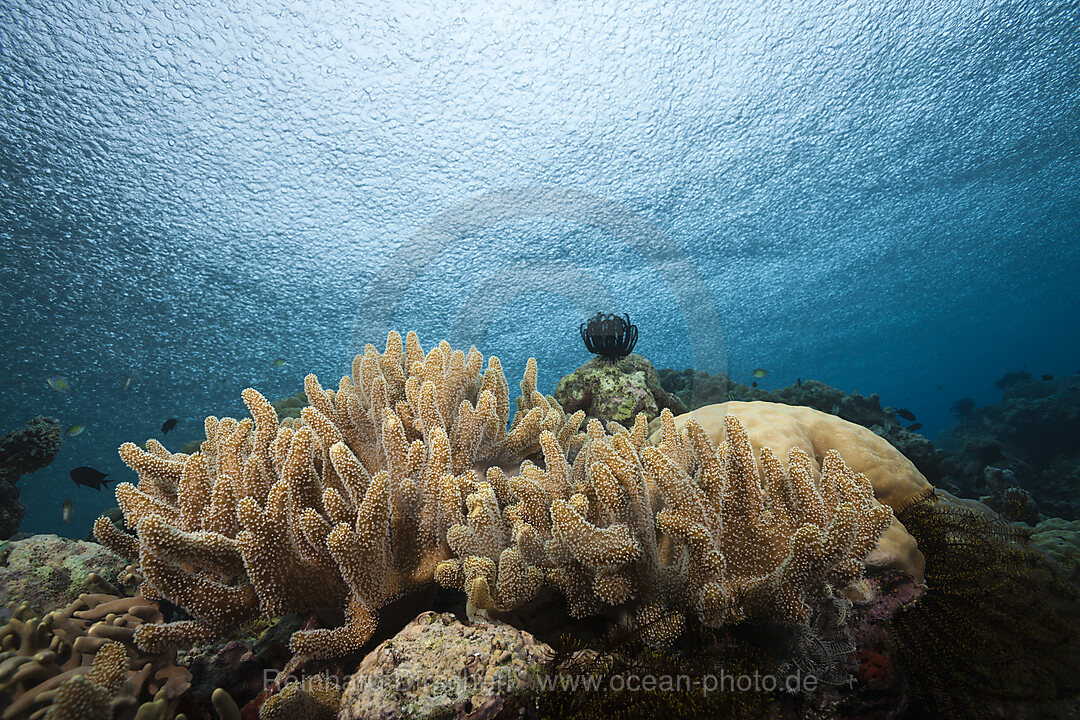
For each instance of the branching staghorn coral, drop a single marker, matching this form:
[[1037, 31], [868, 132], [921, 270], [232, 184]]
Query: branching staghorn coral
[[413, 471], [348, 506]]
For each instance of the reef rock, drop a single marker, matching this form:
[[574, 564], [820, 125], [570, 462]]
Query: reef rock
[[616, 390], [49, 572], [698, 389], [1031, 435], [438, 667], [1059, 539], [24, 451]]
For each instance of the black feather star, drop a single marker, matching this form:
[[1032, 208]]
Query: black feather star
[[609, 336]]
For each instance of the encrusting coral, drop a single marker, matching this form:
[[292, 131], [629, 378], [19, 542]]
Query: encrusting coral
[[408, 473]]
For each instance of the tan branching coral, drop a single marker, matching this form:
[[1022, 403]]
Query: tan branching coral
[[314, 698], [349, 506], [728, 547], [413, 470]]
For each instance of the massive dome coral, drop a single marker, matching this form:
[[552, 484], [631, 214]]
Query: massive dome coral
[[413, 471]]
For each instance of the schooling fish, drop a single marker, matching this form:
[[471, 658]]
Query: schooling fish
[[906, 414], [58, 383], [75, 430], [759, 372], [89, 477], [65, 510], [915, 426], [168, 425]]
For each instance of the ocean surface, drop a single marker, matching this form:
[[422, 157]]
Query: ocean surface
[[201, 197]]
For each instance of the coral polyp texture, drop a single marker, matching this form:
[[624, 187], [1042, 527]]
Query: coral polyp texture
[[347, 506], [728, 548], [413, 471]]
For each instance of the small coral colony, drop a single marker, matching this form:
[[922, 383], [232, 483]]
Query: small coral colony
[[417, 472]]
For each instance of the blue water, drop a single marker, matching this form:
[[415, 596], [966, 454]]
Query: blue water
[[884, 196]]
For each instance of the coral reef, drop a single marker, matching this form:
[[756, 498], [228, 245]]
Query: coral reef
[[89, 696], [49, 572], [438, 667], [784, 428], [39, 656], [837, 666], [697, 389], [1029, 440], [22, 452], [616, 390], [727, 548], [347, 507], [316, 698], [997, 634], [397, 479], [1060, 539], [290, 407]]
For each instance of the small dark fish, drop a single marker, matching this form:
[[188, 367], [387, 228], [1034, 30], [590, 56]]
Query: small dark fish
[[798, 381], [1047, 377], [916, 426], [65, 510], [89, 477], [168, 425], [906, 414], [753, 384], [939, 387]]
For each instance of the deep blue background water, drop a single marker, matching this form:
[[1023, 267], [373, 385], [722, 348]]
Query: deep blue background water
[[882, 196]]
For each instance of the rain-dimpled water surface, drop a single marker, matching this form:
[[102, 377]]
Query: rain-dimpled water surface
[[200, 197]]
